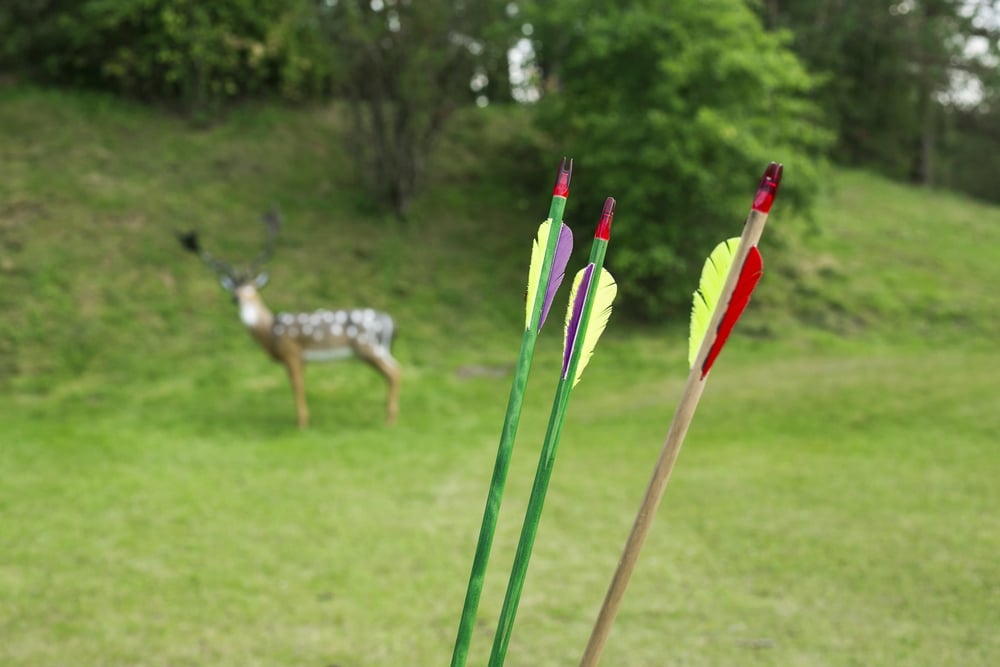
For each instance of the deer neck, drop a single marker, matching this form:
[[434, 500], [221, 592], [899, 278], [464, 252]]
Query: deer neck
[[256, 316]]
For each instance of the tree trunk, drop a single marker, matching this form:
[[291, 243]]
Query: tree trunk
[[773, 10], [927, 145]]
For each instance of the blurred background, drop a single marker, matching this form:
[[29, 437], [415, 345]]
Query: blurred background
[[836, 501]]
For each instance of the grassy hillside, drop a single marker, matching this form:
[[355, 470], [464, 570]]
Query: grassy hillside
[[834, 505], [94, 192]]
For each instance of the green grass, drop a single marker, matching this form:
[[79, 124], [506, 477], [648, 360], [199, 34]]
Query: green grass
[[835, 503]]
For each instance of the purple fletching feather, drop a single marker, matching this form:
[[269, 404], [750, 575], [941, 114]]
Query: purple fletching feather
[[564, 248], [573, 326]]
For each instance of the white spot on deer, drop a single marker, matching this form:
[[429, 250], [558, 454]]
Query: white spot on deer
[[369, 315], [352, 331], [356, 316], [302, 318], [336, 330], [377, 326], [327, 316], [341, 317], [286, 318]]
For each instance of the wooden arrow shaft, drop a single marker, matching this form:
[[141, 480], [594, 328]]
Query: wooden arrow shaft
[[752, 229]]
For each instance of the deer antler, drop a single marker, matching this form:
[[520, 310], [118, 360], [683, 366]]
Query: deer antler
[[190, 242], [272, 224]]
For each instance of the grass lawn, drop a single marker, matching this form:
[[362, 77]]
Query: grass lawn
[[835, 502]]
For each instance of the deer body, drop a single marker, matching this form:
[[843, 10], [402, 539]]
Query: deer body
[[296, 338], [322, 335]]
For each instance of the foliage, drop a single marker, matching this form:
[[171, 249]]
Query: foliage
[[674, 108], [196, 54]]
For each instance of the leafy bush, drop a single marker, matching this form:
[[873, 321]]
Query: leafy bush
[[674, 107], [196, 54]]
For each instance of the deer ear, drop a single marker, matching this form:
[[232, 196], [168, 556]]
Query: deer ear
[[227, 283], [260, 280]]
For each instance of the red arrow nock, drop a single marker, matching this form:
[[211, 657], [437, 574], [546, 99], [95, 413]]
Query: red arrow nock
[[768, 188]]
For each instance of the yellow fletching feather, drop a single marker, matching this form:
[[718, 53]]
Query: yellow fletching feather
[[607, 289], [706, 298], [535, 270]]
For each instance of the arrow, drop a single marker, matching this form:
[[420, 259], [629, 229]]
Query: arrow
[[589, 309], [711, 324], [549, 256]]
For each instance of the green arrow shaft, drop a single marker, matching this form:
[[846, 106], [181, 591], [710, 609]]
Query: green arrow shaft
[[543, 474], [529, 528], [507, 435]]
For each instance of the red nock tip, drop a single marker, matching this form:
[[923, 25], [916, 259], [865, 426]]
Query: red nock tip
[[607, 215], [768, 188], [562, 180]]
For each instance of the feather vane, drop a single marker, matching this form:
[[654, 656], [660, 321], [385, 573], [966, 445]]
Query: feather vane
[[585, 335], [706, 298], [535, 269], [564, 248], [750, 273]]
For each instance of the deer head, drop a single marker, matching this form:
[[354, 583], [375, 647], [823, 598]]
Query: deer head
[[230, 277]]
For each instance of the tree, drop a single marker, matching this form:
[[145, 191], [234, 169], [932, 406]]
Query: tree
[[674, 107], [893, 72], [404, 67]]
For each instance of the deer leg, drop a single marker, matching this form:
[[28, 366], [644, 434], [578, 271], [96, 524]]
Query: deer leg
[[297, 378], [389, 368], [393, 377]]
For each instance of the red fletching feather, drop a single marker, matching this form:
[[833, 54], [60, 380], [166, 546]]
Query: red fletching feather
[[750, 274]]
